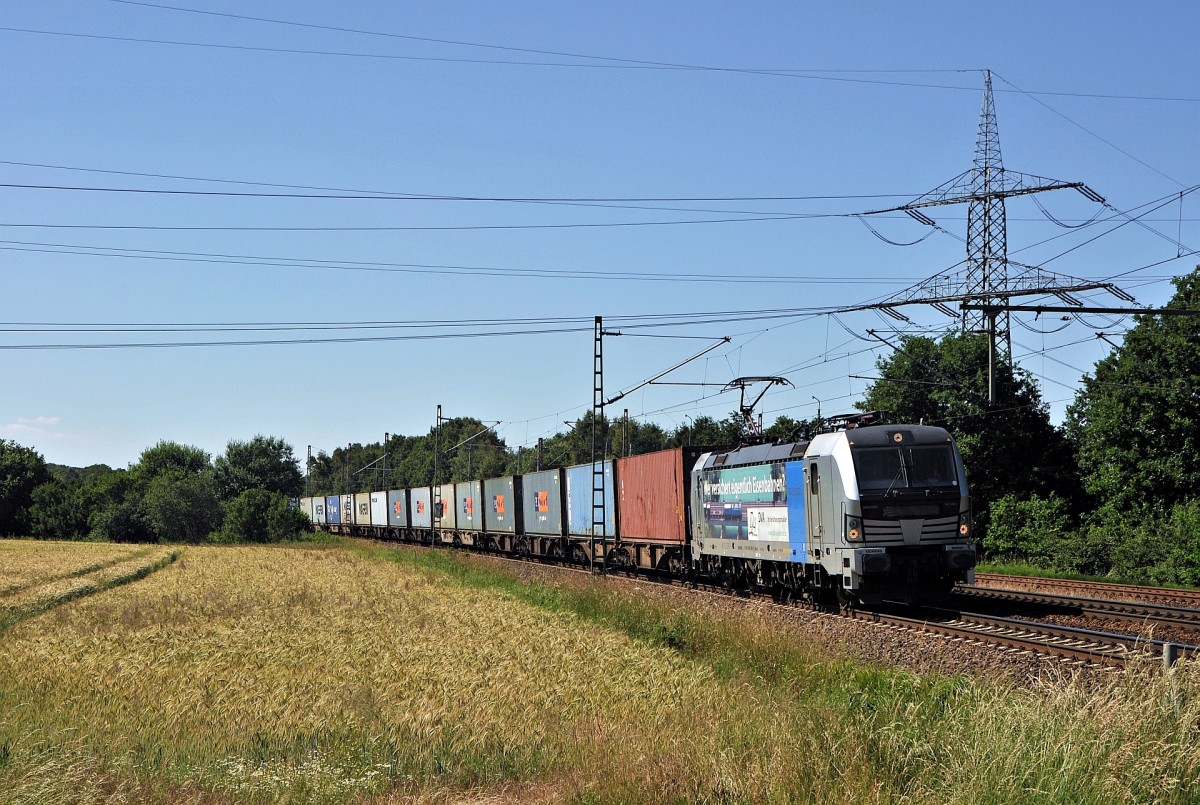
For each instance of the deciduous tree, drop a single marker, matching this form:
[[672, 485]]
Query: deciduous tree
[[264, 462], [22, 469]]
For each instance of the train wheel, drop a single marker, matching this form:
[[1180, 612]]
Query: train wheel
[[846, 600]]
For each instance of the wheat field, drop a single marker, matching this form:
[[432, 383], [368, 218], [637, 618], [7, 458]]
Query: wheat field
[[340, 673]]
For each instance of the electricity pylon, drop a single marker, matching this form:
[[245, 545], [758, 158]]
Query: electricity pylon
[[987, 280]]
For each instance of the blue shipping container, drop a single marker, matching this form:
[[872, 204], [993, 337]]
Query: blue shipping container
[[580, 514]]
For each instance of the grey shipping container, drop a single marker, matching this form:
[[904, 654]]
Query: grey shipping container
[[580, 514], [397, 511], [318, 511], [362, 508], [542, 496], [443, 516], [468, 500], [306, 508], [653, 495], [420, 507], [502, 505]]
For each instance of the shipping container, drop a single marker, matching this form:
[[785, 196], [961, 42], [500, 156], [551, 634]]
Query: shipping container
[[397, 508], [444, 508], [420, 507], [502, 505], [304, 506], [653, 493], [580, 503], [468, 498], [542, 506], [333, 510], [379, 509], [318, 511], [347, 509], [362, 508]]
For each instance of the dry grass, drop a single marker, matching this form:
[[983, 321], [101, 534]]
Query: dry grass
[[324, 674]]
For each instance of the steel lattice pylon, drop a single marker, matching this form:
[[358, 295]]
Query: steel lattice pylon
[[986, 280], [987, 226]]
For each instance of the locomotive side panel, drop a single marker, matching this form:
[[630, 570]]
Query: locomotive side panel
[[753, 511]]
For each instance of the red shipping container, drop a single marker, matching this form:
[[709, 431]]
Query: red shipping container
[[654, 489]]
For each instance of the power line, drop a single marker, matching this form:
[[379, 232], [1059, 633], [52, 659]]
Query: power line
[[1088, 131], [373, 195], [426, 268], [467, 228], [614, 62], [396, 195]]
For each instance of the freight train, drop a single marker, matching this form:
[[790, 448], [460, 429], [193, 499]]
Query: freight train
[[861, 515]]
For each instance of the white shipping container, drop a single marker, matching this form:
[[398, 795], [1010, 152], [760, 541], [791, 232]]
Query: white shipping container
[[379, 508]]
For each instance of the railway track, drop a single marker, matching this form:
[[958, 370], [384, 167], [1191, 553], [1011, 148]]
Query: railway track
[[1081, 645], [1140, 611], [1092, 589], [1084, 646]]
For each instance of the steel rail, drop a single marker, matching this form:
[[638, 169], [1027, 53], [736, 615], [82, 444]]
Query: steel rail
[[1126, 610], [1084, 645], [1131, 592]]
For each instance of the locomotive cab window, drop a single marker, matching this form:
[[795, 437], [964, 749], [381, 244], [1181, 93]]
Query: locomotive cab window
[[880, 469], [885, 469], [933, 466]]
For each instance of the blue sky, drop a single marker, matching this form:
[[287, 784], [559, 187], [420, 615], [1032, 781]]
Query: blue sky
[[818, 111]]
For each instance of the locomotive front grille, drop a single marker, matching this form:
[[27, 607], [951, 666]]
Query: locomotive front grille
[[933, 529]]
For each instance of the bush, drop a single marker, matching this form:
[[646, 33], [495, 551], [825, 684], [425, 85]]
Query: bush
[[257, 515], [1032, 529], [119, 521], [1159, 547], [181, 506]]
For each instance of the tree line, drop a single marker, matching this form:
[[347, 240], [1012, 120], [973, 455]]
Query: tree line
[[172, 493], [1112, 491]]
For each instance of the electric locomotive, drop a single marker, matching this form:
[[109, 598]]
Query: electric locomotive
[[865, 514]]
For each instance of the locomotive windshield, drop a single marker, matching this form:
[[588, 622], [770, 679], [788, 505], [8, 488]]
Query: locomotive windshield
[[884, 469]]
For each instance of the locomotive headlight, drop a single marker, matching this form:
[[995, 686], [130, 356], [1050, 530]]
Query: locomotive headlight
[[854, 532], [964, 525]]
